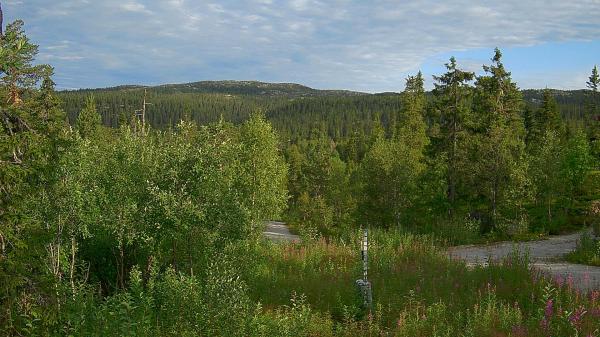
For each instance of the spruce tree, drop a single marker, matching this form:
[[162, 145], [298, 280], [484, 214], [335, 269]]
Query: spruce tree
[[391, 169], [594, 131], [545, 119], [452, 91], [411, 125], [88, 120], [500, 170], [594, 80]]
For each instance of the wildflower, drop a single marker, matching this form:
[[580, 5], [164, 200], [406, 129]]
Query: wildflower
[[559, 281], [544, 324], [570, 282], [549, 309], [595, 295], [576, 317], [595, 312]]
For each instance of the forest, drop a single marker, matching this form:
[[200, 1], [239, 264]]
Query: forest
[[117, 225]]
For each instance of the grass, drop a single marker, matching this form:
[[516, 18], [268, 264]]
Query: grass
[[308, 289], [417, 290], [587, 251]]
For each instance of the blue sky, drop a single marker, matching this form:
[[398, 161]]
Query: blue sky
[[367, 45]]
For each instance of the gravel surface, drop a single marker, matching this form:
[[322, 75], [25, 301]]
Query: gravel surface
[[278, 231], [545, 255]]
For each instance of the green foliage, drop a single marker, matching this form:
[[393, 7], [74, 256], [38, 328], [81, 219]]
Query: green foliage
[[392, 169], [157, 233], [88, 120], [587, 251], [31, 140], [500, 181], [545, 119], [417, 292], [593, 80], [452, 93], [266, 168]]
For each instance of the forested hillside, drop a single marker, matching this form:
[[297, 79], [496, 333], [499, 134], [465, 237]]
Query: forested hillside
[[294, 109], [330, 139], [121, 224]]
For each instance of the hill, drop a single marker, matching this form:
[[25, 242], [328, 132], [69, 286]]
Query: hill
[[247, 88], [294, 109]]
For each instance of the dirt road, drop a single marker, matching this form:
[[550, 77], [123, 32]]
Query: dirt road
[[278, 231], [545, 255]]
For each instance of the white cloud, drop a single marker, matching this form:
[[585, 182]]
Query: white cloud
[[336, 43], [136, 7]]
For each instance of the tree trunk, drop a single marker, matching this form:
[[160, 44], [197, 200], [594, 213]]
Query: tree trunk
[[549, 211], [72, 267]]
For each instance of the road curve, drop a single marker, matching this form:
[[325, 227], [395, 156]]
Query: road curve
[[544, 255]]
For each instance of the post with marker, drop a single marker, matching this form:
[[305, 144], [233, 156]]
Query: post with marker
[[363, 284]]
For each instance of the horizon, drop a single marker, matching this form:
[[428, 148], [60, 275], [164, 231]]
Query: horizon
[[326, 45], [262, 82]]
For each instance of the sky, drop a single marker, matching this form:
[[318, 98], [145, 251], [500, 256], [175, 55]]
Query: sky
[[364, 45]]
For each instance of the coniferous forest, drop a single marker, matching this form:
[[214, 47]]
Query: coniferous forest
[[119, 218]]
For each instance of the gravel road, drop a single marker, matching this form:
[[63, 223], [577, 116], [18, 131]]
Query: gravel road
[[278, 231], [545, 255]]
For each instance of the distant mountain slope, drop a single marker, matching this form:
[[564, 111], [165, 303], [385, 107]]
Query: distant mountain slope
[[295, 110], [249, 88]]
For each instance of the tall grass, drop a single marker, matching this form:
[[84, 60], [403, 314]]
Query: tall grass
[[587, 251], [417, 290], [308, 290]]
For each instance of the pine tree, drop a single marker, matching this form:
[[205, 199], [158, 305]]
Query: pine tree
[[30, 124]]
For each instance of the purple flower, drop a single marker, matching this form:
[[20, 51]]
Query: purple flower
[[559, 281], [595, 295], [575, 317], [549, 309], [570, 281]]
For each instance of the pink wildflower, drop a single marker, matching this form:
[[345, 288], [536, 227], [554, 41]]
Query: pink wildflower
[[595, 295], [559, 281], [576, 317], [570, 282], [544, 324], [549, 309]]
